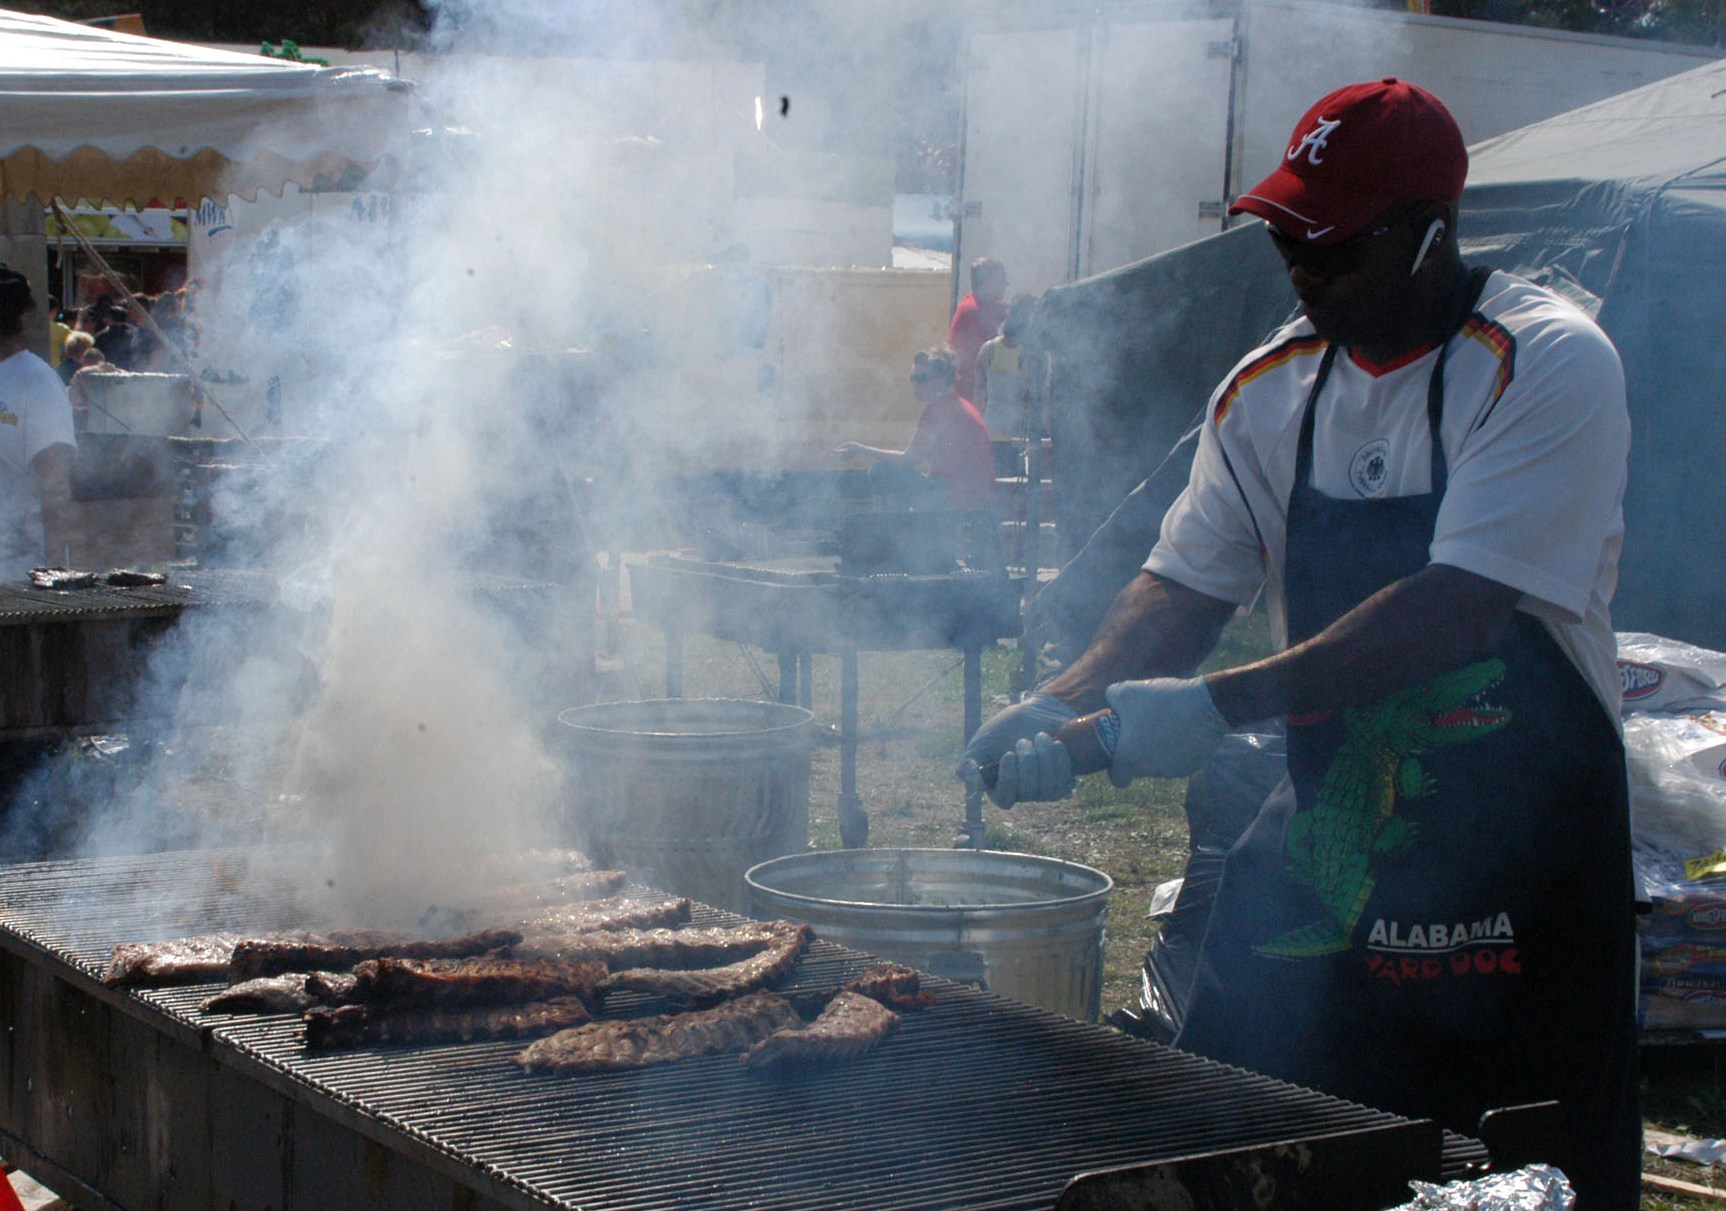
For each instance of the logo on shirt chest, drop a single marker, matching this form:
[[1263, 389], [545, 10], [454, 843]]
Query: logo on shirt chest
[[1369, 469]]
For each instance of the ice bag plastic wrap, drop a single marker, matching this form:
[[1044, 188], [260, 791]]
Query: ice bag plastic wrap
[[1657, 673], [1683, 944], [1675, 745], [1675, 742]]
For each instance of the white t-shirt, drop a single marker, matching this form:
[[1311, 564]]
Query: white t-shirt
[[34, 414], [1535, 432]]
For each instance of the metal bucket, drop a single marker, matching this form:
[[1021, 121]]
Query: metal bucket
[[1026, 927], [688, 793], [138, 403]]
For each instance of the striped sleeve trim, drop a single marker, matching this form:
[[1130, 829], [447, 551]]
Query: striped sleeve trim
[[1271, 359], [1497, 341]]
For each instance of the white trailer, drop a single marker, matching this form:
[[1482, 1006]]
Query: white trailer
[[1096, 136]]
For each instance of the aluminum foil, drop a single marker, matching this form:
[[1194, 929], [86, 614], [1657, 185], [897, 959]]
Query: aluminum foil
[[1535, 1188]]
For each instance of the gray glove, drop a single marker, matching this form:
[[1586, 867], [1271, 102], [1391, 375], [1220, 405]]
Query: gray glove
[[1168, 728], [1036, 769], [1031, 764]]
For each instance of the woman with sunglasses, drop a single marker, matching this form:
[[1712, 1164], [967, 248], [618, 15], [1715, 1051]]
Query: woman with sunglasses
[[949, 462]]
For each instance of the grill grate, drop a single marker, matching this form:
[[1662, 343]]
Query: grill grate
[[21, 603], [976, 1102]]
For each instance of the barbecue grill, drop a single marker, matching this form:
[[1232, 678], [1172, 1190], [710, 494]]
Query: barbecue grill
[[71, 660], [798, 605], [137, 1099]]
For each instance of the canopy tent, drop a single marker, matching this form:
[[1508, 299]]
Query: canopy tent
[[1620, 204], [91, 114], [1626, 200]]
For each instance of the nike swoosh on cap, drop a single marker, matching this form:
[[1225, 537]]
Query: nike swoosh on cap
[[1313, 235], [1294, 214]]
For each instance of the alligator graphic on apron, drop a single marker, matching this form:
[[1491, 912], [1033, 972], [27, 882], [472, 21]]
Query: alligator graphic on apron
[[1333, 847]]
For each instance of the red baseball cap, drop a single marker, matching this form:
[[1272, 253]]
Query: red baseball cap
[[1355, 154]]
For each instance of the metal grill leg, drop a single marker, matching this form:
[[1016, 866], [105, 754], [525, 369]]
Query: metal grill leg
[[971, 837], [853, 821]]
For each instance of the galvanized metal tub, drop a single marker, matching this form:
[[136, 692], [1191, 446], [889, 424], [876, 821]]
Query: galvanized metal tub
[[141, 403], [1027, 927], [688, 793]]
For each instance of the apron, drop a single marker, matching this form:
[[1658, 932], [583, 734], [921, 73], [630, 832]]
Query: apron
[[1433, 915]]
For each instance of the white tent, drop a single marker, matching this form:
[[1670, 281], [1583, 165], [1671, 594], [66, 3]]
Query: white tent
[[105, 117]]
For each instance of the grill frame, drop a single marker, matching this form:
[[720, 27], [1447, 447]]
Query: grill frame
[[207, 1112]]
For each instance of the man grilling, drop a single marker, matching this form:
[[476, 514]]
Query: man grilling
[[1424, 472]]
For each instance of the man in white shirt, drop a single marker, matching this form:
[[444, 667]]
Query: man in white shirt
[[36, 443], [1425, 474]]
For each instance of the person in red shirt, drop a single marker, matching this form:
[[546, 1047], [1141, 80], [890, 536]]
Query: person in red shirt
[[951, 440], [977, 319]]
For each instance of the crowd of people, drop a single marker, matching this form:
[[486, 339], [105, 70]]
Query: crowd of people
[[119, 333]]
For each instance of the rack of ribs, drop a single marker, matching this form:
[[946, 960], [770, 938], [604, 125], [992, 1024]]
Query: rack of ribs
[[355, 1025], [706, 985], [639, 1042], [893, 984], [268, 994], [849, 1028], [199, 960], [616, 912], [679, 949], [340, 950], [407, 983]]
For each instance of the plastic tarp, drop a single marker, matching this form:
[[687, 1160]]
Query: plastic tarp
[[1621, 205], [1134, 354], [90, 114], [1625, 201]]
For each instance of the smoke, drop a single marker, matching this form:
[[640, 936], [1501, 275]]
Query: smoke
[[433, 380]]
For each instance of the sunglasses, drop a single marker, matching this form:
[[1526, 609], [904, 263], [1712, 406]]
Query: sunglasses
[[1334, 260], [921, 376]]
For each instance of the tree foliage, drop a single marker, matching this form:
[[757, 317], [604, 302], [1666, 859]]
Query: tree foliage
[[372, 24], [1699, 22], [352, 24]]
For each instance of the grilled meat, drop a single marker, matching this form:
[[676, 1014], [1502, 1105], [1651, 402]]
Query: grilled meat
[[270, 994], [717, 983], [534, 864], [199, 960], [673, 948], [541, 894], [354, 1025], [332, 987], [849, 1028], [61, 578], [893, 984], [617, 912], [339, 950], [637, 1043], [132, 578], [405, 983]]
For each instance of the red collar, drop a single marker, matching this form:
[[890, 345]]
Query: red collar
[[1380, 369]]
